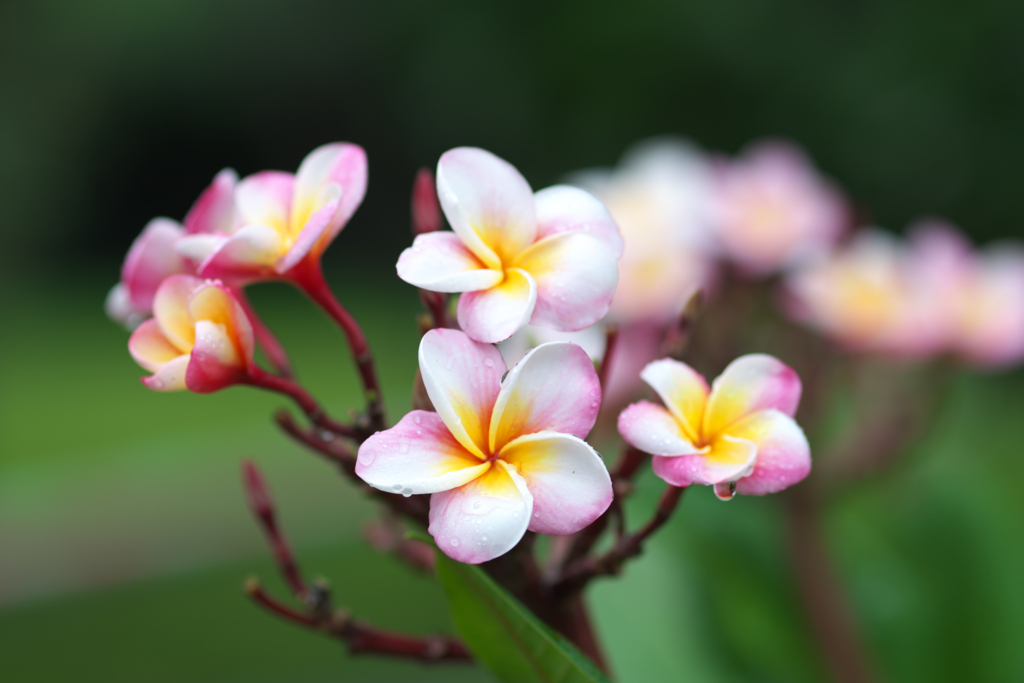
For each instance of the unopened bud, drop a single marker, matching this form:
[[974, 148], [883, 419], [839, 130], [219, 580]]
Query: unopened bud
[[426, 212]]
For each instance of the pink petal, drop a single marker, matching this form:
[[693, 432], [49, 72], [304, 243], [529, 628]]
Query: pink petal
[[728, 459], [265, 198], [250, 252], [554, 388], [151, 259], [438, 261], [567, 478], [654, 430], [170, 310], [483, 519], [576, 274], [564, 208], [488, 203], [750, 383], [214, 211], [493, 315], [316, 229], [462, 378], [684, 391], [171, 377], [216, 360], [418, 455], [783, 455], [340, 163], [150, 348]]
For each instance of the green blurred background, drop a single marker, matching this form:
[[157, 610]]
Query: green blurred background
[[123, 534]]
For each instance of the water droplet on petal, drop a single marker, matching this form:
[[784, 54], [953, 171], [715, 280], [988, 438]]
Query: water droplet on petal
[[488, 362], [455, 542]]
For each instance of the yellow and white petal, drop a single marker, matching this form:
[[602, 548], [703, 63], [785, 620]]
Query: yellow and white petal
[[150, 348], [654, 430], [684, 391], [493, 315], [462, 378], [553, 388], [564, 208], [214, 303], [488, 203], [265, 198], [576, 275], [483, 519], [171, 377], [251, 250], [418, 455], [341, 164], [567, 478], [783, 454], [440, 262], [750, 383], [726, 460], [170, 310]]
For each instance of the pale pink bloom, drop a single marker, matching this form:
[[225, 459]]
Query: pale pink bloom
[[151, 258], [198, 338], [738, 435], [773, 210], [499, 457], [547, 258], [980, 295], [272, 221], [660, 197]]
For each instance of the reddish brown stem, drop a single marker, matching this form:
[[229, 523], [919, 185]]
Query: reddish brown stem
[[309, 277], [270, 344], [262, 507], [437, 304], [821, 592], [578, 574], [313, 410], [611, 341]]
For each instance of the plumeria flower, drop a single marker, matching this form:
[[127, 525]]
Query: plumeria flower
[[273, 221], [738, 435], [547, 258], [660, 197], [151, 259], [499, 457], [198, 338], [773, 210]]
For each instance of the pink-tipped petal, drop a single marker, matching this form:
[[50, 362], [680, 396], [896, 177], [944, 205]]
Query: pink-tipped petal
[[564, 208], [567, 478], [214, 211], [438, 261], [150, 348], [265, 198], [783, 455], [216, 360], [249, 252], [418, 455], [462, 378], [213, 302], [339, 163], [750, 383], [684, 391], [576, 275], [553, 388], [171, 377], [150, 260], [483, 519], [728, 459], [170, 310], [654, 430], [488, 203], [316, 229], [493, 315]]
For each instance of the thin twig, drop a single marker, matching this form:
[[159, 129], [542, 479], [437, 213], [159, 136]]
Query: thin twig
[[313, 410], [272, 347], [262, 507], [611, 336]]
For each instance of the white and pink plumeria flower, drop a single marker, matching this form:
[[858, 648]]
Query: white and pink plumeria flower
[[270, 222], [199, 338], [773, 210], [549, 259], [499, 457], [739, 435]]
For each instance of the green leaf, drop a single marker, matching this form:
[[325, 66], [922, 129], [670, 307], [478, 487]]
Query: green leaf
[[504, 635]]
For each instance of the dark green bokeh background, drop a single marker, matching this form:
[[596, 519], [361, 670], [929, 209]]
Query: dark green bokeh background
[[123, 536]]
